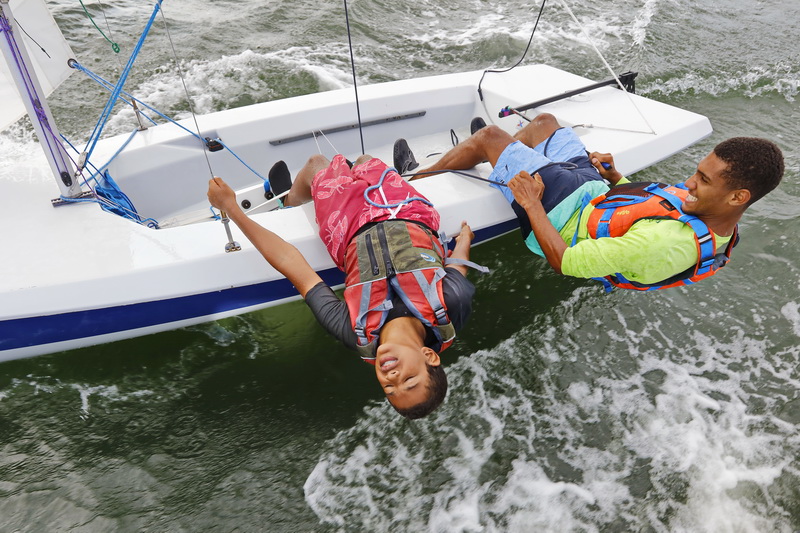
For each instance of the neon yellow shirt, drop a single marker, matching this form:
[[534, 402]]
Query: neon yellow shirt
[[649, 252]]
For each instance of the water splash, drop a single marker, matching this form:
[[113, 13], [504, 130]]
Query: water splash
[[649, 431]]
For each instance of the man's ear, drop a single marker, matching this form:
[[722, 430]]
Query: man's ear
[[740, 197], [431, 357]]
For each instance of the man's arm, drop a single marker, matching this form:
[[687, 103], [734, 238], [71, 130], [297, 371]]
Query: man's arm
[[528, 192], [284, 257]]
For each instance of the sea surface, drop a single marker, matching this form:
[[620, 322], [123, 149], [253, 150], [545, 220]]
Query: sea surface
[[569, 410]]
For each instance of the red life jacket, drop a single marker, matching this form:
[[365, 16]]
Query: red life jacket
[[395, 258], [616, 211]]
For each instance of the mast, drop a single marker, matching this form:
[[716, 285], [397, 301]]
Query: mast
[[30, 89]]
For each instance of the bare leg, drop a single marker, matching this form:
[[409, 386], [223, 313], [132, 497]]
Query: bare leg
[[538, 130], [489, 142], [362, 159], [300, 192]]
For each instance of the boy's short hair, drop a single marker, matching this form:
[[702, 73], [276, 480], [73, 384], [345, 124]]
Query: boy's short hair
[[754, 164], [437, 388]]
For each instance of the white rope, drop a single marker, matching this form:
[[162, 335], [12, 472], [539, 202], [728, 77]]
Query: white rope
[[319, 149], [603, 59], [262, 204]]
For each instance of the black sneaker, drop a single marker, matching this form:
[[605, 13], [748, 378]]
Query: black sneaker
[[279, 178], [403, 157], [476, 124]]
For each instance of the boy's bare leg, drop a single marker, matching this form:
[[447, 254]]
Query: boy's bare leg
[[362, 159], [300, 192]]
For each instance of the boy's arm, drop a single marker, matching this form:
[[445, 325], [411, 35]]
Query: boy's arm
[[284, 257]]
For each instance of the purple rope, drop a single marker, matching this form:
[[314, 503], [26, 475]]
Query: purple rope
[[33, 97]]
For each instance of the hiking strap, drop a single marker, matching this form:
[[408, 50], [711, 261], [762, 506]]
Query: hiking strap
[[454, 261]]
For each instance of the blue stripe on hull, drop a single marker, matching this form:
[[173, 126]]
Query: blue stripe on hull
[[40, 330], [33, 331]]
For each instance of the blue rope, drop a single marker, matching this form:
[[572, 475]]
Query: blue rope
[[102, 168], [108, 85], [240, 159], [149, 222], [390, 206], [112, 100]]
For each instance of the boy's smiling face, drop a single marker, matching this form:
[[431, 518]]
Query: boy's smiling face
[[402, 372]]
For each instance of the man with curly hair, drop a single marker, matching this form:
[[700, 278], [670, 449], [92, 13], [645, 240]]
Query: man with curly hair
[[640, 236]]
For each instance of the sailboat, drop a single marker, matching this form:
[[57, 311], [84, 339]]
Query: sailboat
[[122, 242]]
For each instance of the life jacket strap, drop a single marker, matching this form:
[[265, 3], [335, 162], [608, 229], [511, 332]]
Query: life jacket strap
[[454, 261]]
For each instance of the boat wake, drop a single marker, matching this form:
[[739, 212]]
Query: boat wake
[[651, 430]]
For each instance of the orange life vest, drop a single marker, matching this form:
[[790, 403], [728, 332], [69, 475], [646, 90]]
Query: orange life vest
[[395, 258], [616, 211]]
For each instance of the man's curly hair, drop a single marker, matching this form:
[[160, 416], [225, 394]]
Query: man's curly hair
[[754, 164], [437, 389]]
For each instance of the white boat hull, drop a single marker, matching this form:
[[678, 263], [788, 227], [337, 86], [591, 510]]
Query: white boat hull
[[75, 275]]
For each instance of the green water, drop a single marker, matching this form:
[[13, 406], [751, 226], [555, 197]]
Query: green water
[[568, 409]]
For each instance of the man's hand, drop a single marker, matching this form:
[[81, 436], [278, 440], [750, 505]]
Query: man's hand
[[604, 163], [220, 195], [527, 189]]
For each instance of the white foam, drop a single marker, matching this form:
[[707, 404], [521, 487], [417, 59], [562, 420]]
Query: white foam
[[791, 311], [758, 81], [212, 84], [107, 392], [657, 431]]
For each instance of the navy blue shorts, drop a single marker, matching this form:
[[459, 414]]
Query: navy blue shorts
[[561, 161]]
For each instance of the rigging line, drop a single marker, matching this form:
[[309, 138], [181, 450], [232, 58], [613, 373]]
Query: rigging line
[[314, 134], [114, 46], [186, 90], [232, 245], [107, 85], [453, 171], [136, 111], [108, 27], [595, 126], [603, 59], [335, 151], [355, 84], [563, 164], [95, 136], [535, 25], [32, 39]]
